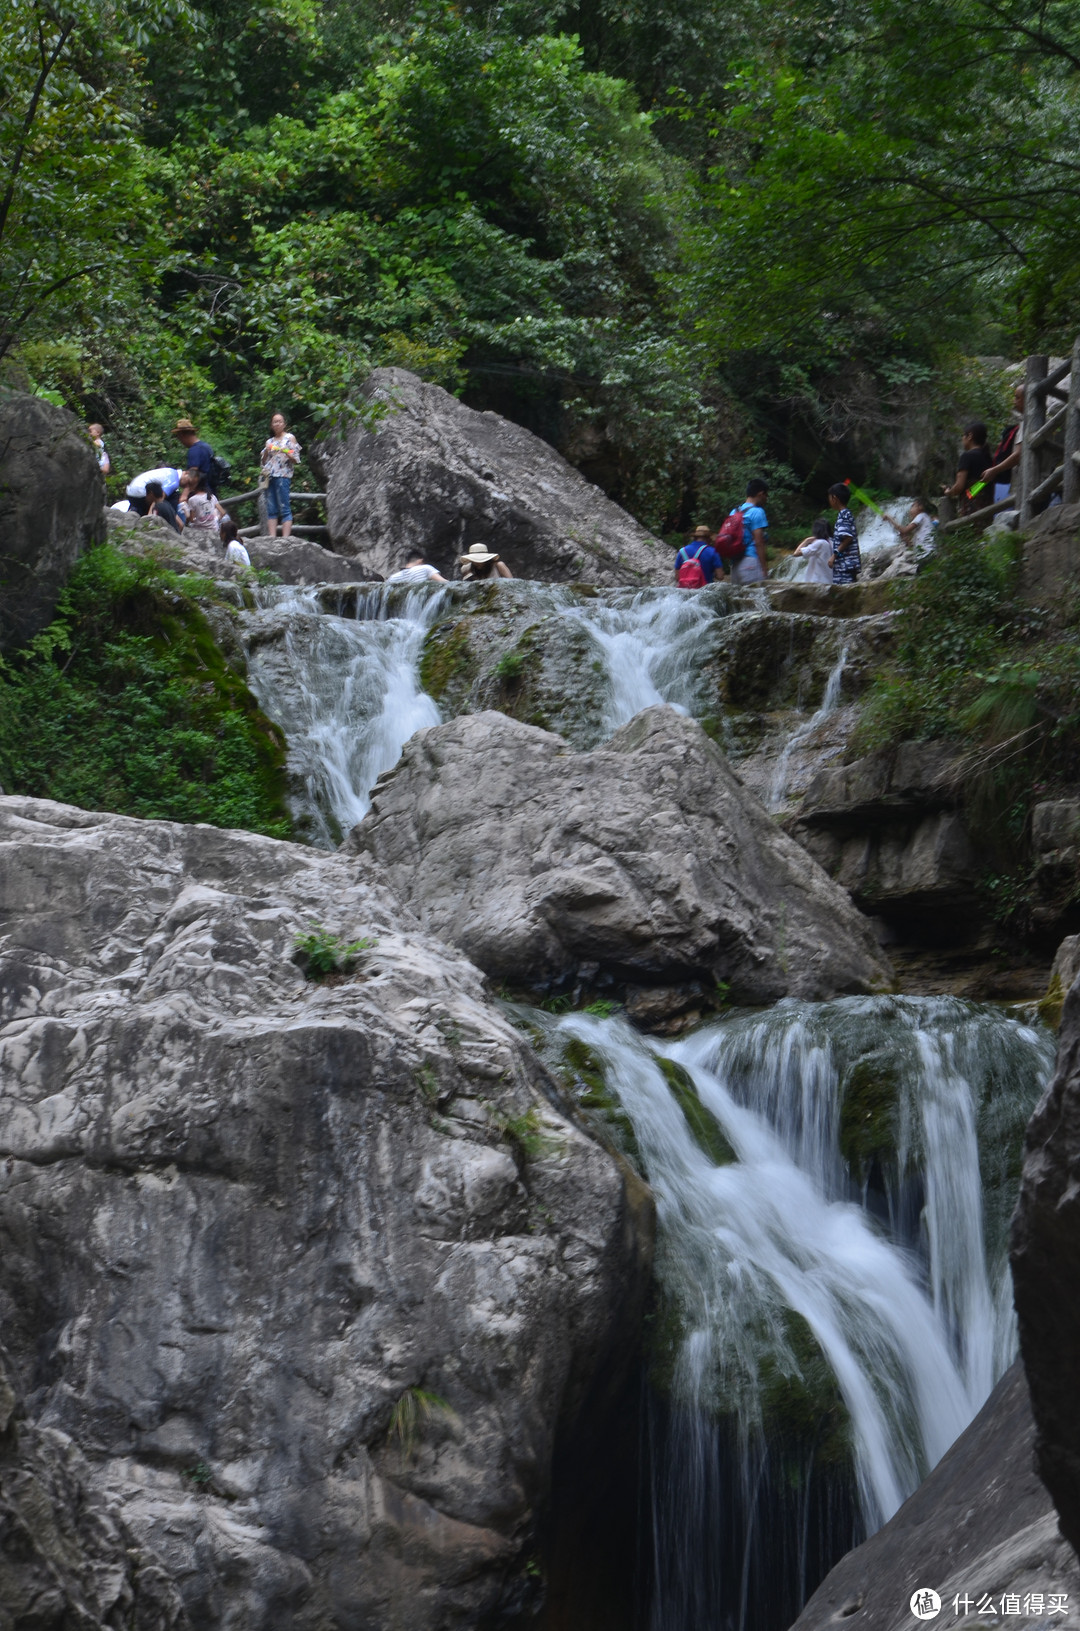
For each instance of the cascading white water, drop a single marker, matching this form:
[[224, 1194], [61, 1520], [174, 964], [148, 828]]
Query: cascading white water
[[651, 647], [829, 701], [345, 691], [873, 1144]]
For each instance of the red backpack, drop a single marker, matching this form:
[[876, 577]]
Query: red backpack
[[729, 540], [690, 574]]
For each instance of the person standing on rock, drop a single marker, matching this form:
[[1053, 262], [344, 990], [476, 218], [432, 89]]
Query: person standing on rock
[[416, 570], [279, 458], [1006, 456], [847, 559], [697, 562], [972, 466], [199, 454], [482, 563], [754, 565]]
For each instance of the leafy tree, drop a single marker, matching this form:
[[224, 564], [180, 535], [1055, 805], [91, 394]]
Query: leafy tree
[[75, 215]]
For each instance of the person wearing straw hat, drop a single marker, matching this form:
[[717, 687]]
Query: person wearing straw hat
[[481, 563]]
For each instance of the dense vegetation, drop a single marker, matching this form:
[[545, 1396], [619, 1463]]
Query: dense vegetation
[[679, 239], [125, 703]]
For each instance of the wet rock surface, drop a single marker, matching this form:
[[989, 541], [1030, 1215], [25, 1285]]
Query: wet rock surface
[[981, 1524], [438, 476], [51, 495], [645, 858], [309, 1273], [1046, 1266]]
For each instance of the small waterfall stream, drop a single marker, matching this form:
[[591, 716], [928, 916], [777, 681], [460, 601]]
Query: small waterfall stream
[[832, 1254], [345, 690], [648, 645]]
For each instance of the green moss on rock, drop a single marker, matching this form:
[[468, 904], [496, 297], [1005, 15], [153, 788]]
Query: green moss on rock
[[869, 1100], [705, 1130], [447, 658]]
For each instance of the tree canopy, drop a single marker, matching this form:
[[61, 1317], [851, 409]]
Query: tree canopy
[[645, 231]]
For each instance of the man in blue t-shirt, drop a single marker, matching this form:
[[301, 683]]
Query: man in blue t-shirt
[[754, 566], [700, 550], [199, 454]]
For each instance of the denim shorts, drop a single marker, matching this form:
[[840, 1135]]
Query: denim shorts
[[277, 498]]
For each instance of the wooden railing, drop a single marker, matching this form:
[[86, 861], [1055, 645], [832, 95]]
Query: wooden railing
[[1050, 450], [261, 529]]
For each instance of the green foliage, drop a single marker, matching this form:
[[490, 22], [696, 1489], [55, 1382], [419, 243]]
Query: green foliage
[[525, 1132], [510, 666], [324, 953], [125, 703], [602, 1008]]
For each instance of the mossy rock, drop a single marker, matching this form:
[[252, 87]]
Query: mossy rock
[[583, 1075], [869, 1104], [447, 658], [705, 1130], [805, 1409]]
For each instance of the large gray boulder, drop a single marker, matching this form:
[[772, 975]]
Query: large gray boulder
[[310, 1272], [644, 859], [1046, 1269], [981, 1525], [51, 497], [438, 476], [67, 1558]]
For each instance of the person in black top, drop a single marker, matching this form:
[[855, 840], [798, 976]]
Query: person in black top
[[972, 465]]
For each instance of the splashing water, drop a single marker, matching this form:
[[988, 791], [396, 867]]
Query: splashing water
[[870, 1167], [345, 691], [829, 701], [651, 647]]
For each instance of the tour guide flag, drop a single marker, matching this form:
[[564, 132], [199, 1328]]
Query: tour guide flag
[[863, 498]]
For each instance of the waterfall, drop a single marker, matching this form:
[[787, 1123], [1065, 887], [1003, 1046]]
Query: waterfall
[[651, 648], [829, 701], [832, 1255], [344, 689]]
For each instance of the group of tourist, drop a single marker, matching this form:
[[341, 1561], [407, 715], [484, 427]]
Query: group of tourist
[[475, 565], [740, 550], [186, 498]]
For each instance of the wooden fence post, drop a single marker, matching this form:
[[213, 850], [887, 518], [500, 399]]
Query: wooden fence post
[[1070, 480], [1034, 415]]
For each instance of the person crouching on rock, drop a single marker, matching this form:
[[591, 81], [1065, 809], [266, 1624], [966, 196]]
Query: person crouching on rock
[[416, 570], [817, 551], [481, 563], [236, 555], [162, 507]]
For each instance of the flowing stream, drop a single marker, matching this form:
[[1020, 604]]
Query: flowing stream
[[833, 1180], [833, 1184]]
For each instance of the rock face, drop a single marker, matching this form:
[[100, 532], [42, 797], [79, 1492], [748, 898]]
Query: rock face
[[66, 1556], [1046, 1270], [51, 496], [438, 476], [310, 1272], [644, 860], [981, 1523], [295, 560], [887, 829]]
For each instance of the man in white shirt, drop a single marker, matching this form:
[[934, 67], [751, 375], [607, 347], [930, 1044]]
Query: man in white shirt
[[416, 570]]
